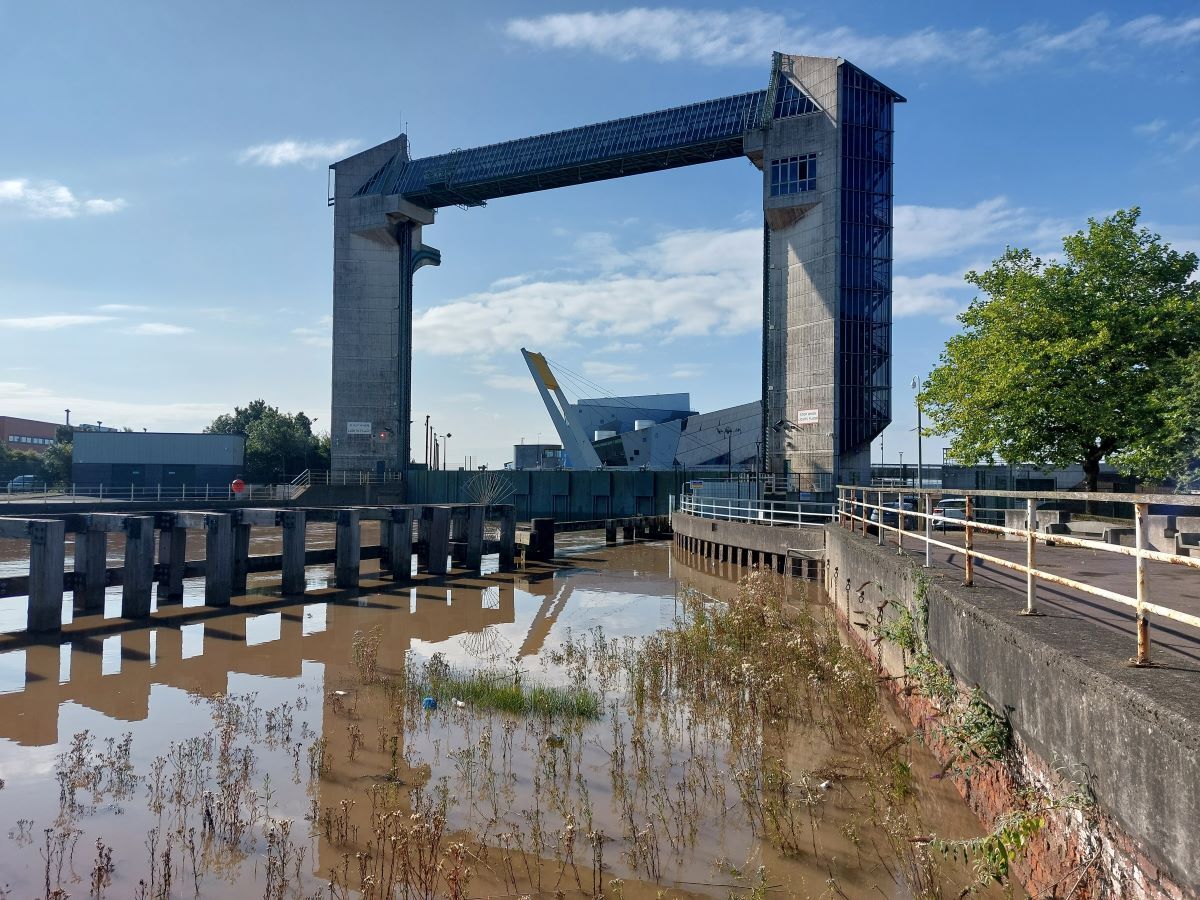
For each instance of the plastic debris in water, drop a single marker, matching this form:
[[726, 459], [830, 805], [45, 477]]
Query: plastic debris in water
[[428, 703], [459, 703], [340, 693], [555, 741], [825, 785]]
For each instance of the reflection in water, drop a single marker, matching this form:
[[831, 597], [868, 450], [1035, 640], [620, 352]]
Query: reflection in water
[[261, 715]]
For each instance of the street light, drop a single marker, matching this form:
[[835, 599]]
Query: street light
[[901, 468], [446, 450], [917, 399]]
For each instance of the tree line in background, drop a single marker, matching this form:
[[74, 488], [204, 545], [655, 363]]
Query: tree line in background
[[1092, 356], [279, 445]]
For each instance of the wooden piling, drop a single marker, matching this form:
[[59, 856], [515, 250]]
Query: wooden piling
[[293, 579], [91, 563], [508, 537], [172, 555], [610, 532], [473, 558], [439, 539], [399, 541], [349, 548], [47, 538], [218, 554], [241, 552], [138, 578]]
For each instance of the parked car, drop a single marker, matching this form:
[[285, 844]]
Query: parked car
[[891, 514], [952, 508], [26, 484]]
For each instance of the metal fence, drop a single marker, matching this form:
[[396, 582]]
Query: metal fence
[[884, 511], [154, 493], [759, 512]]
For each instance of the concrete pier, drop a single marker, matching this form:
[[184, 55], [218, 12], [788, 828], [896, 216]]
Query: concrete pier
[[349, 548], [227, 562]]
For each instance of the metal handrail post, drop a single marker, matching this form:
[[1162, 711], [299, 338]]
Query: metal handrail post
[[968, 543], [1030, 557], [900, 522], [879, 516], [928, 529], [1143, 627]]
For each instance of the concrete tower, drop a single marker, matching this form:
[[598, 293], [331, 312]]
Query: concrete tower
[[376, 249], [826, 158]]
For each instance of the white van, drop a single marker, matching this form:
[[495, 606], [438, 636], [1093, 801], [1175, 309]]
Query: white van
[[952, 508]]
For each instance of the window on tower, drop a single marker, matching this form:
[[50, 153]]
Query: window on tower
[[793, 175]]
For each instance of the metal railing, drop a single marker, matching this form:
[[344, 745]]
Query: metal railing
[[309, 477], [153, 493], [760, 512], [869, 509]]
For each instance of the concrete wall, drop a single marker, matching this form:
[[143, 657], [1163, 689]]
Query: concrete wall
[[563, 495], [1074, 706], [776, 540]]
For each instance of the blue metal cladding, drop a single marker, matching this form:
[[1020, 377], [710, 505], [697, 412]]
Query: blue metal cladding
[[864, 350], [699, 132]]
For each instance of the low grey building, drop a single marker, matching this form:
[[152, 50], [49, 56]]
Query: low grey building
[[123, 458]]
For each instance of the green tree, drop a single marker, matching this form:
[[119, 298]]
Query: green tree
[[55, 462], [1075, 360], [278, 445]]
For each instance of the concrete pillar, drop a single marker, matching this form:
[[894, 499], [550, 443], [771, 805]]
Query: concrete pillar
[[399, 539], [541, 540], [218, 559], [349, 548], [241, 556], [627, 533], [439, 539], [47, 540], [91, 563], [508, 538], [139, 567], [172, 554], [293, 579], [610, 532], [474, 537], [424, 517], [458, 534]]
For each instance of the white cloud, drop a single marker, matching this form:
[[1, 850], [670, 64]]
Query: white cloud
[[686, 283], [122, 308], [688, 371], [915, 295], [320, 335], [1156, 30], [747, 37], [51, 200], [159, 329], [611, 372], [1148, 129], [37, 402], [1185, 141], [929, 232], [290, 153], [52, 322]]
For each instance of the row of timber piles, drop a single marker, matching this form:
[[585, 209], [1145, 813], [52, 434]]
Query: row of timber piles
[[434, 534]]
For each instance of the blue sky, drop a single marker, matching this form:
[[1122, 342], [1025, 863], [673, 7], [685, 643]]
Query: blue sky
[[165, 244]]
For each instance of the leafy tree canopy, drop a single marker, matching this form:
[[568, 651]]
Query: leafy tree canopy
[[278, 445], [1079, 359]]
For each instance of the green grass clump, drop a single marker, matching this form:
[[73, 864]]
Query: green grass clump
[[491, 689]]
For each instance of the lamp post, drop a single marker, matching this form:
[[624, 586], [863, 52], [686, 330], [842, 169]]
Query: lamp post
[[917, 399], [901, 468], [446, 450]]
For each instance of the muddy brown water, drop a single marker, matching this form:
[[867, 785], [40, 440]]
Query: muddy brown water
[[237, 703]]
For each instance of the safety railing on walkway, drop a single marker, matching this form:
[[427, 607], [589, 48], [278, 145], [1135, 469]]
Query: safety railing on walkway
[[153, 493], [309, 477], [918, 514], [760, 512]]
